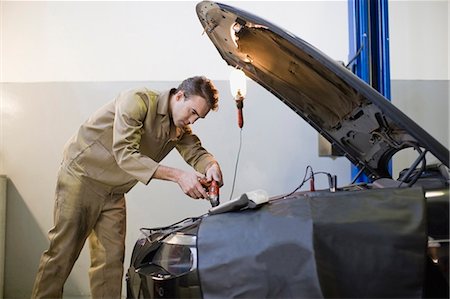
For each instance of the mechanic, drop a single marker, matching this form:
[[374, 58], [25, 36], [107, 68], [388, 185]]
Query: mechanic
[[120, 144]]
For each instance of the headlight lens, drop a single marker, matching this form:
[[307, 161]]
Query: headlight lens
[[175, 259]]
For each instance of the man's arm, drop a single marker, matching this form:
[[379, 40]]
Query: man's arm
[[198, 157]]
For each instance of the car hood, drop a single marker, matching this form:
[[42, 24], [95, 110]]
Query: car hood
[[355, 118]]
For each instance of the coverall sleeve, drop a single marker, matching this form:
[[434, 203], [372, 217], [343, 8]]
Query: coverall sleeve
[[193, 153], [130, 114]]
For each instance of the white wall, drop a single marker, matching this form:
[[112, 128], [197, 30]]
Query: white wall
[[116, 41], [420, 57], [48, 48], [419, 39]]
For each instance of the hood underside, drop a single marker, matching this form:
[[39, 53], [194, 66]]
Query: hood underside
[[350, 114]]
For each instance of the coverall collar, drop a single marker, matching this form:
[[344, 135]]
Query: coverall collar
[[163, 109]]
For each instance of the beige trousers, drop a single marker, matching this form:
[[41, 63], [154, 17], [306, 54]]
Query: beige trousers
[[83, 212]]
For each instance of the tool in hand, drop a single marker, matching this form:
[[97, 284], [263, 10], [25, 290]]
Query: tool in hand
[[212, 190], [213, 194]]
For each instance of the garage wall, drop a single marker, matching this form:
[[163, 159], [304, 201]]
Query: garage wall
[[145, 40], [420, 56], [63, 60]]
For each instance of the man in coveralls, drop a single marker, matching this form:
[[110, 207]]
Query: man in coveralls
[[120, 144]]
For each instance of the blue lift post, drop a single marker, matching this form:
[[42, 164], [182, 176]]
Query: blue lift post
[[369, 50]]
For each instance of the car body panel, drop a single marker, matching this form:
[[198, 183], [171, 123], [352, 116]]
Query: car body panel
[[316, 245]]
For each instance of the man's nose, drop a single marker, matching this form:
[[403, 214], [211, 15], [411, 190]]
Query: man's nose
[[193, 119]]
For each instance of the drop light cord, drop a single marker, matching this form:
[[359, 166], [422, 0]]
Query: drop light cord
[[237, 162]]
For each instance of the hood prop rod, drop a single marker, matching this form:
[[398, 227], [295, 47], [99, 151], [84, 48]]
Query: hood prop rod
[[414, 165]]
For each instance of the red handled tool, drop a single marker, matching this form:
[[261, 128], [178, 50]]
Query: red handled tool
[[213, 194], [212, 190]]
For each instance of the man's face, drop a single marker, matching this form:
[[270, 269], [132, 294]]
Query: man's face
[[186, 111]]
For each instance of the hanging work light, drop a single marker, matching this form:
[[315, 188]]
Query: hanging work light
[[238, 85]]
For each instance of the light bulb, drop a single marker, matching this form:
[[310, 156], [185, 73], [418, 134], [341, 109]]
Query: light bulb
[[238, 83]]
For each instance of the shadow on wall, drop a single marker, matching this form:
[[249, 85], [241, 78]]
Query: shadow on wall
[[22, 233]]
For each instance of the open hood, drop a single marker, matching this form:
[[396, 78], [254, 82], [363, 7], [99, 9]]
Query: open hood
[[349, 113]]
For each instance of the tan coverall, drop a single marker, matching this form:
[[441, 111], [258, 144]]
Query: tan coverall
[[115, 148]]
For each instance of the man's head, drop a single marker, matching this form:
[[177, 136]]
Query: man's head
[[193, 99]]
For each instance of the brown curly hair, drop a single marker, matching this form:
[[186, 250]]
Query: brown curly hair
[[200, 86]]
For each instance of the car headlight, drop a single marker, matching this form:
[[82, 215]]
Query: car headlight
[[178, 254]]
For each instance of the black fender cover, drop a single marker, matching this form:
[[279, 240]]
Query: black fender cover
[[364, 244]]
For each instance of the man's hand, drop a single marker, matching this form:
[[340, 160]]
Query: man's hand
[[188, 181], [190, 184], [213, 172]]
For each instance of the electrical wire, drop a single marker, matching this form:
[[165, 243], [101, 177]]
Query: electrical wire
[[303, 181], [357, 54], [237, 162]]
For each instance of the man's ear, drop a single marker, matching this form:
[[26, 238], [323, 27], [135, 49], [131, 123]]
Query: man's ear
[[179, 95]]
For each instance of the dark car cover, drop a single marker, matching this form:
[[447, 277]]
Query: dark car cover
[[366, 244]]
